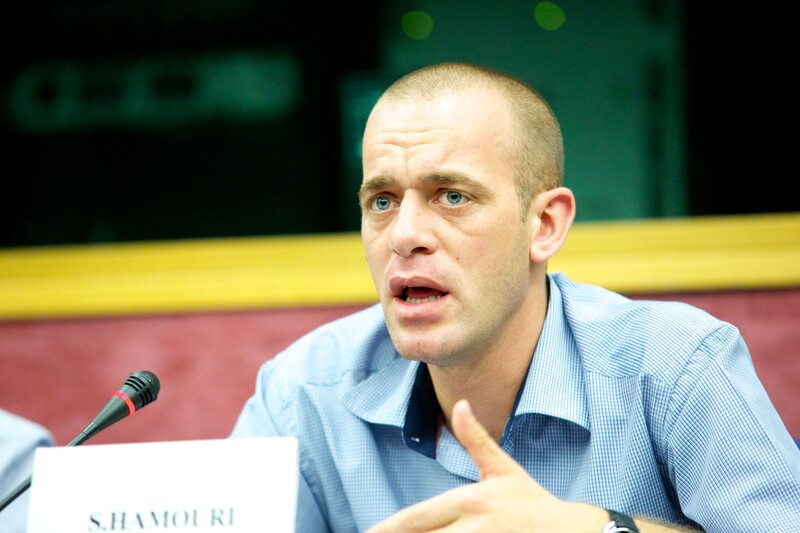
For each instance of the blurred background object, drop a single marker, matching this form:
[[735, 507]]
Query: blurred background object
[[19, 440], [132, 120]]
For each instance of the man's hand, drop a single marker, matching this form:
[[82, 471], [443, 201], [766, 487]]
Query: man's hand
[[505, 499]]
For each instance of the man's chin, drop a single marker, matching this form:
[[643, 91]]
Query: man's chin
[[427, 347]]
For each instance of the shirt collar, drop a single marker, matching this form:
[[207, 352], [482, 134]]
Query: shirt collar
[[382, 397], [555, 385], [401, 394]]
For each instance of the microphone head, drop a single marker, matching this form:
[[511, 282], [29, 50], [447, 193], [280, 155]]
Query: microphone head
[[142, 388]]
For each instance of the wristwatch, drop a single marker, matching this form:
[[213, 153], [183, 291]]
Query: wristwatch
[[620, 523]]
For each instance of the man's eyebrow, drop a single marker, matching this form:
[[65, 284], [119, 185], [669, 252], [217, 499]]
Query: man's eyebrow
[[442, 180], [457, 179], [375, 184]]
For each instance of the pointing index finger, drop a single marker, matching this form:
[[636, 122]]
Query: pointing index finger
[[490, 459]]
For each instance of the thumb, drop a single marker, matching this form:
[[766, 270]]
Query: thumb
[[490, 459]]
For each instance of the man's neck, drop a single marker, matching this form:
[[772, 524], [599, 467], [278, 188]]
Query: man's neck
[[492, 379]]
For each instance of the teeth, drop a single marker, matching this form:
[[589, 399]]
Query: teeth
[[420, 300], [412, 300]]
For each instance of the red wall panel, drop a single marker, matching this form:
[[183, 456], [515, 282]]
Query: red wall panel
[[60, 373]]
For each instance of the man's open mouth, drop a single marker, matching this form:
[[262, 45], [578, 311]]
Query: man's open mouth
[[418, 295]]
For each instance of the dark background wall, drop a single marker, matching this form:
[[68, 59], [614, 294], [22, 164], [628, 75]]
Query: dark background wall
[[129, 120]]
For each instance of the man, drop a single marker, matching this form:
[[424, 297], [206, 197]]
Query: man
[[486, 394], [19, 439]]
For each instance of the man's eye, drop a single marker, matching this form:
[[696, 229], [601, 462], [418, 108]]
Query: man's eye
[[454, 197], [381, 203]]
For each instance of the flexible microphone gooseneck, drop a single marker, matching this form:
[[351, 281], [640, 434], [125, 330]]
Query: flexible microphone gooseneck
[[140, 389]]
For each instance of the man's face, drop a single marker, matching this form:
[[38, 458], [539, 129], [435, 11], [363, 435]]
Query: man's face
[[444, 240]]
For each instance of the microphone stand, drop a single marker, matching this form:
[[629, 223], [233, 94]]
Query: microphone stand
[[140, 389], [22, 487], [26, 484]]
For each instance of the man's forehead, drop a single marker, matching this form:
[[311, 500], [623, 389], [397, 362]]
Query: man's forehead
[[472, 113]]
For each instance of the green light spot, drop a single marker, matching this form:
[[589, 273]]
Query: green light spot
[[417, 25], [549, 16]]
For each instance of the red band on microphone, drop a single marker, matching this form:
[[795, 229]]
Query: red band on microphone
[[131, 407]]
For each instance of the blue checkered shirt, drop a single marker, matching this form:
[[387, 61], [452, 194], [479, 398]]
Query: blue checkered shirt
[[649, 408]]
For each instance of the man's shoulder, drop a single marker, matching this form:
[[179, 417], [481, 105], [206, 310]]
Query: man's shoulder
[[19, 432], [595, 305], [19, 437], [612, 329], [357, 343]]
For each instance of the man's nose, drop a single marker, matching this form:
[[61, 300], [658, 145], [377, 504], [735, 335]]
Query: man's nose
[[412, 229]]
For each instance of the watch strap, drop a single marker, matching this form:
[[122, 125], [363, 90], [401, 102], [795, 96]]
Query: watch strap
[[619, 523]]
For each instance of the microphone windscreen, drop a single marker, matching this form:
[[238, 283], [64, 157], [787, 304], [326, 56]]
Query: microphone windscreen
[[142, 388]]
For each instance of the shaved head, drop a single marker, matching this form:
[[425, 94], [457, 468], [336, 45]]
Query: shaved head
[[535, 145]]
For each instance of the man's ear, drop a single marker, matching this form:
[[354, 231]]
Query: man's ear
[[551, 219]]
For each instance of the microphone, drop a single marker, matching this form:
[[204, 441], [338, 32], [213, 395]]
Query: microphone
[[140, 389]]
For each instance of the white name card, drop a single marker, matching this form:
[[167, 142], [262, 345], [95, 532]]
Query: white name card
[[234, 485]]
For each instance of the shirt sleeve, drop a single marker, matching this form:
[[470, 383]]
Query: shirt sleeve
[[732, 460], [256, 420]]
